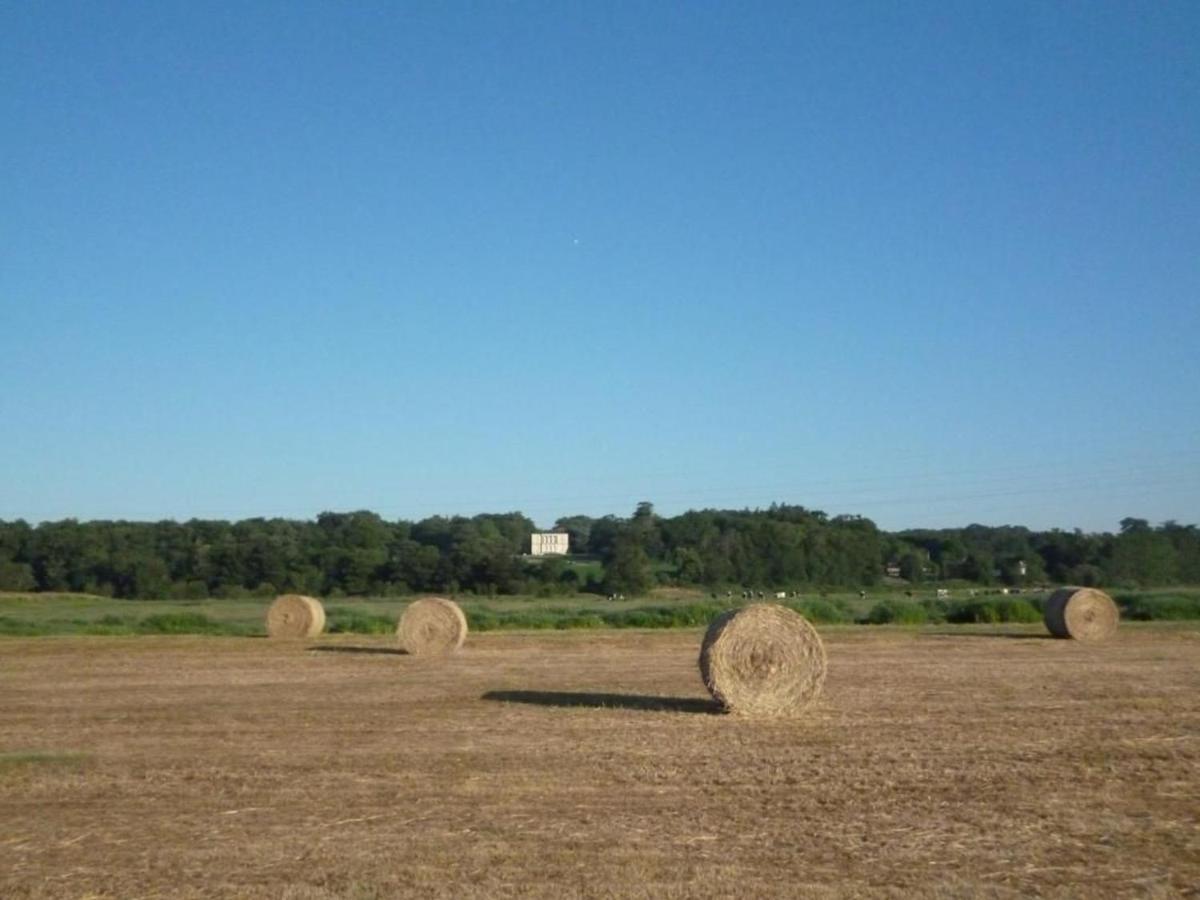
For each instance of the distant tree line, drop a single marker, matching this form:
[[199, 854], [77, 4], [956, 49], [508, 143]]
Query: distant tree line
[[1139, 555], [360, 553], [353, 553]]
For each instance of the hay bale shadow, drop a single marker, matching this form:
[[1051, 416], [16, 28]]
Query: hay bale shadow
[[989, 635], [607, 701], [342, 648]]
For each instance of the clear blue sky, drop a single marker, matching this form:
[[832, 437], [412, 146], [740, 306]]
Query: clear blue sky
[[929, 263]]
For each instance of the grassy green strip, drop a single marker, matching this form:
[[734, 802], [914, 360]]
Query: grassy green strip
[[1145, 607], [341, 620], [379, 619], [684, 615], [959, 612]]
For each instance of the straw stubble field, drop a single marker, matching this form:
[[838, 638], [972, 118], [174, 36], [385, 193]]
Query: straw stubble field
[[590, 764]]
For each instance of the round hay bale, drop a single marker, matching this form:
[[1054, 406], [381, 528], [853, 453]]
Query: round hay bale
[[432, 626], [763, 660], [1084, 614], [295, 616]]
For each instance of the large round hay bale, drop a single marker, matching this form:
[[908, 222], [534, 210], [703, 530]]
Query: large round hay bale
[[432, 626], [295, 616], [1084, 614], [763, 660]]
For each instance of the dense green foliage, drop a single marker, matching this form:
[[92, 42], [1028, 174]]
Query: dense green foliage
[[339, 620], [31, 615], [1150, 607], [163, 623], [993, 609], [678, 615], [1138, 555], [780, 548], [898, 612]]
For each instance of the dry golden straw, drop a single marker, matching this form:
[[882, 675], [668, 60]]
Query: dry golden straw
[[1084, 614], [431, 626], [763, 660], [295, 616]]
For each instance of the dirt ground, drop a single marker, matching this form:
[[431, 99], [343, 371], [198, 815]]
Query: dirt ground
[[592, 764]]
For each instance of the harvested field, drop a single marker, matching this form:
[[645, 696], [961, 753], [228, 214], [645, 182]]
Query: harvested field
[[592, 764]]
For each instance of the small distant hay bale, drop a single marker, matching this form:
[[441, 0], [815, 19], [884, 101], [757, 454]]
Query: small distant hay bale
[[1084, 614], [295, 616], [763, 660], [432, 626]]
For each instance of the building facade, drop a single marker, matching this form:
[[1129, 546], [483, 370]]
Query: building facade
[[546, 543]]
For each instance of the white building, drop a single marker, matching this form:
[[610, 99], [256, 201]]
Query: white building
[[548, 542]]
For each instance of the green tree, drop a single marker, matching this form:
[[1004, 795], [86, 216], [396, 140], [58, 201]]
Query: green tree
[[579, 530], [689, 567], [15, 576], [629, 570], [912, 566], [644, 528], [1186, 541], [604, 534], [978, 567], [1143, 556]]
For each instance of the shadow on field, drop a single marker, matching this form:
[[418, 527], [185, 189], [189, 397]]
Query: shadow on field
[[993, 634], [606, 701], [339, 648]]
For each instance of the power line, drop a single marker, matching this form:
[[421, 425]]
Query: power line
[[1122, 473]]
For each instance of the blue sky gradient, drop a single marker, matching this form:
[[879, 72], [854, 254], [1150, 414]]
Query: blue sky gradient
[[929, 263]]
